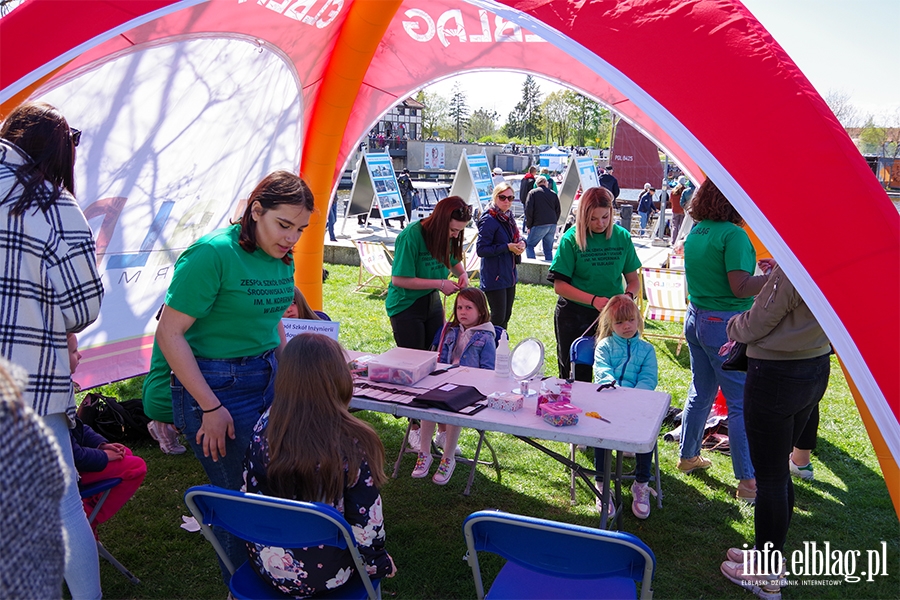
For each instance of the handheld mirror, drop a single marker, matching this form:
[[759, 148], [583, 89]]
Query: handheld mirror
[[527, 358]]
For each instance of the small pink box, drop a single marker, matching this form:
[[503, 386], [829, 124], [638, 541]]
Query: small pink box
[[506, 401], [560, 414]]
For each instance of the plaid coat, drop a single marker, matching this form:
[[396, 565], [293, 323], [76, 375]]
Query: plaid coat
[[49, 285]]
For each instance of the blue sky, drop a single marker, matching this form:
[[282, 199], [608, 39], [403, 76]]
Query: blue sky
[[841, 45]]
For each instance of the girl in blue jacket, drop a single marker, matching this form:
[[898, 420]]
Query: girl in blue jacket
[[468, 340], [623, 358]]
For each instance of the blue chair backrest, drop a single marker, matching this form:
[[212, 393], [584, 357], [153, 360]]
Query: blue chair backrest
[[270, 521], [322, 315], [559, 549], [581, 352]]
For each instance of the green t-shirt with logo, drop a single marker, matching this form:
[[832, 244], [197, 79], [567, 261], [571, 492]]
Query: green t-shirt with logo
[[597, 270], [236, 297], [711, 250], [157, 392], [412, 259]]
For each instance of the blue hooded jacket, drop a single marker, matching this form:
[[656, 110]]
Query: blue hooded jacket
[[629, 362]]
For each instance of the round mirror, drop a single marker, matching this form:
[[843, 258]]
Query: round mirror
[[527, 358]]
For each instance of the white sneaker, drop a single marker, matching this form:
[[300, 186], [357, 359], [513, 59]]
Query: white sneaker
[[801, 472], [441, 438], [165, 434], [413, 439], [445, 470]]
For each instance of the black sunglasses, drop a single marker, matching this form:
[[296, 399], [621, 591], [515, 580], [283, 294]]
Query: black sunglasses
[[76, 136], [461, 214], [502, 197]]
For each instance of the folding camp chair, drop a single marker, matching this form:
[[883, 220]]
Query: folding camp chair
[[276, 522], [582, 352], [676, 262], [374, 262], [547, 559], [103, 488], [666, 291]]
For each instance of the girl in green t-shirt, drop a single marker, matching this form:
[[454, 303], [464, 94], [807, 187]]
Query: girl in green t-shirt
[[220, 330], [587, 271], [424, 254]]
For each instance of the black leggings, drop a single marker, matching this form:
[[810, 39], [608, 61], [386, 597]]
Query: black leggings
[[570, 322], [501, 303], [416, 326]]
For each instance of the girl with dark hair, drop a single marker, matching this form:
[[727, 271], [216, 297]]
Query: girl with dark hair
[[500, 247], [469, 340], [719, 263], [424, 254], [588, 270], [49, 287], [309, 447], [224, 372]]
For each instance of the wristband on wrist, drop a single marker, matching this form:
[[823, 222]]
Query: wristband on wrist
[[592, 302], [212, 409], [630, 294]]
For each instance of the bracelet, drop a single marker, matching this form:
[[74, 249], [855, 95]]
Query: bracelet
[[212, 409], [592, 302], [630, 294]]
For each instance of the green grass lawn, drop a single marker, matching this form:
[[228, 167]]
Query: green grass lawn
[[847, 504]]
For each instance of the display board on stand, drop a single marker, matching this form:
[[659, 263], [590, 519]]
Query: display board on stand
[[376, 183], [579, 173], [473, 180]]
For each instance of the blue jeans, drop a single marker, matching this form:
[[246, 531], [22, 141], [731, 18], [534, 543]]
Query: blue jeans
[[780, 396], [244, 386], [645, 216], [544, 234], [82, 560], [705, 334]]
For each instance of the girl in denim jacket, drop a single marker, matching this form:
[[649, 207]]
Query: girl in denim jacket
[[623, 358], [468, 340]]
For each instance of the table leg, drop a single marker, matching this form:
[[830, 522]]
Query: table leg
[[402, 450]]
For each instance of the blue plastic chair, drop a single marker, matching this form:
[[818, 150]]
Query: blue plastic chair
[[102, 488], [275, 522], [548, 559], [582, 352]]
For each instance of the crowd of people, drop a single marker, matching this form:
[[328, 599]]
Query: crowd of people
[[270, 417]]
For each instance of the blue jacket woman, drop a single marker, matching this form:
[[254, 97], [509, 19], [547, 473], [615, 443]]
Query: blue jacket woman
[[499, 245]]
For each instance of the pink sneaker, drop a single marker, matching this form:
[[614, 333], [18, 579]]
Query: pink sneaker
[[423, 464], [445, 470]]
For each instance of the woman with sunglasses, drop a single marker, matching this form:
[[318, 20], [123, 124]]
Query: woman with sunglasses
[[50, 287], [424, 255], [500, 246]]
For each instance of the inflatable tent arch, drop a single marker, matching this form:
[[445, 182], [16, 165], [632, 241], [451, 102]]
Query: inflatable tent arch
[[350, 60]]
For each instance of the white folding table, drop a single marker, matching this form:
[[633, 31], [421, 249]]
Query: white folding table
[[629, 421]]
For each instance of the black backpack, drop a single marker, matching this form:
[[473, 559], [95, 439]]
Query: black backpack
[[114, 420]]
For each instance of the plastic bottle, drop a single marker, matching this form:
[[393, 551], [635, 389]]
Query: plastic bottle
[[501, 361]]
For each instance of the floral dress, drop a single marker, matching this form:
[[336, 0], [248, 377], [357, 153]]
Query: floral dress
[[302, 572]]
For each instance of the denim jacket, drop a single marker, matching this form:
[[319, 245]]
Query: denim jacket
[[628, 362], [479, 352]]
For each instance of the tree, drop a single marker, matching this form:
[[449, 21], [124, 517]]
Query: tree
[[845, 112], [525, 119], [482, 124], [591, 123], [434, 117], [557, 113], [458, 110], [872, 138]]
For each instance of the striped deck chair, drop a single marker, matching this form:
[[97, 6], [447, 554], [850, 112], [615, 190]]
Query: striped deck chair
[[374, 263], [676, 261], [666, 291], [471, 260]]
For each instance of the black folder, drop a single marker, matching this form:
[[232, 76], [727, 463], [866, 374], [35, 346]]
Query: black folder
[[454, 400]]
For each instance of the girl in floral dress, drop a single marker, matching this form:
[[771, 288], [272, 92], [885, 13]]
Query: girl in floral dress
[[309, 447]]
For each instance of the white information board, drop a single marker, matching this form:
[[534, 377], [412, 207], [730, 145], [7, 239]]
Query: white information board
[[294, 327], [375, 182], [473, 180]]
